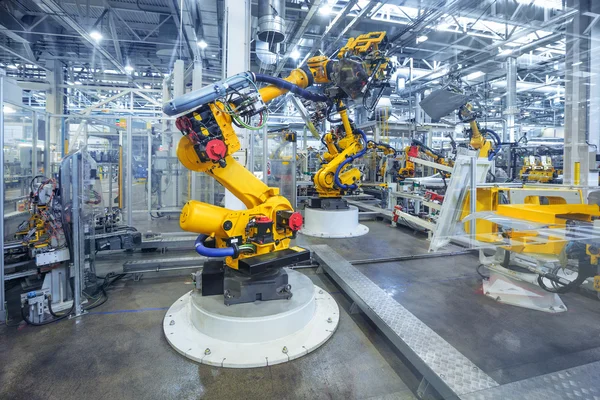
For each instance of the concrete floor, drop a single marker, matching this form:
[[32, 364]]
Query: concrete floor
[[119, 351]]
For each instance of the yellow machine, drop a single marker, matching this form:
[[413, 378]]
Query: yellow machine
[[537, 169], [478, 139], [361, 70], [255, 243], [543, 226], [412, 151]]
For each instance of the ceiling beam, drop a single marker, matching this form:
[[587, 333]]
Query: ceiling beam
[[115, 37], [58, 13], [22, 57], [298, 35], [339, 18]]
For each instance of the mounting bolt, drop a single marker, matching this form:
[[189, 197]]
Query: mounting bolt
[[329, 320], [498, 298], [207, 351], [551, 308], [561, 306], [320, 292], [172, 322], [284, 350]]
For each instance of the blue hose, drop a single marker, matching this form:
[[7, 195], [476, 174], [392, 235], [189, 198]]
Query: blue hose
[[494, 152], [209, 252], [283, 84], [361, 153]]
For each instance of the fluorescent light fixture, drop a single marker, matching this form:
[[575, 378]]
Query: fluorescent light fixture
[[506, 52], [577, 63], [421, 39], [147, 87], [497, 99], [493, 110], [214, 55], [202, 44], [325, 9], [70, 83], [556, 4], [8, 110], [474, 75], [96, 35], [129, 68], [12, 66], [295, 54], [77, 82]]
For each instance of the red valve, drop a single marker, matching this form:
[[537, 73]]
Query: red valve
[[216, 149], [295, 221]]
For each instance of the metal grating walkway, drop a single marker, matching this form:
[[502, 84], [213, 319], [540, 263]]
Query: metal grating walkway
[[445, 368], [451, 373]]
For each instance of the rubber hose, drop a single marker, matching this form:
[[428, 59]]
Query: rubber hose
[[209, 252], [493, 153], [283, 84], [361, 153]]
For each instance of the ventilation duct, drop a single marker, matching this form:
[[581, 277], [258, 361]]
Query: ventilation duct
[[265, 58], [271, 22]]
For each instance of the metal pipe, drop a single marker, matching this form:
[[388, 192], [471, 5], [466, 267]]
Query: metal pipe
[[2, 298], [128, 196], [149, 176], [271, 21], [473, 200], [76, 221]]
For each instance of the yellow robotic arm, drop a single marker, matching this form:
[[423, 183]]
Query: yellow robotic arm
[[478, 139], [251, 241]]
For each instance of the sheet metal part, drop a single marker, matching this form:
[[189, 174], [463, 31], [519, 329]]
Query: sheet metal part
[[447, 370]]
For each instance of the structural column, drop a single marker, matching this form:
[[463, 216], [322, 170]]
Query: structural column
[[511, 98], [238, 20], [55, 102], [577, 152]]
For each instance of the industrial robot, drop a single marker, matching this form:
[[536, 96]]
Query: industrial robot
[[255, 243]]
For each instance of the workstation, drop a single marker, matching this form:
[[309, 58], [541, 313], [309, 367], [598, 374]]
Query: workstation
[[300, 199]]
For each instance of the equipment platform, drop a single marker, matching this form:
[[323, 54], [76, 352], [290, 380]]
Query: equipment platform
[[464, 344]]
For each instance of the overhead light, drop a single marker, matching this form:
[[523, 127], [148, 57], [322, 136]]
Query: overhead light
[[12, 66], [8, 110], [70, 83], [325, 9], [147, 87], [77, 82], [493, 110], [202, 44], [497, 98], [506, 52], [96, 35], [474, 75], [214, 55], [295, 54], [129, 68], [577, 63], [421, 39]]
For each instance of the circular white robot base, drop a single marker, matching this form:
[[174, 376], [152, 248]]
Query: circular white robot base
[[334, 224], [255, 334]]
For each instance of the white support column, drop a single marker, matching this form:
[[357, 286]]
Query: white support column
[[196, 85], [511, 98], [594, 87], [197, 74], [577, 151], [55, 102], [237, 26]]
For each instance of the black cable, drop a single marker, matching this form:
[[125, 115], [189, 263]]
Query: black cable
[[486, 277]]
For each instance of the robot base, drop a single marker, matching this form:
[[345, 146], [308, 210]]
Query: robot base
[[332, 223], [249, 335]]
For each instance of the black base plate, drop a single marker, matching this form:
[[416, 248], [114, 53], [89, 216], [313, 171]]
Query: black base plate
[[334, 203], [277, 259]]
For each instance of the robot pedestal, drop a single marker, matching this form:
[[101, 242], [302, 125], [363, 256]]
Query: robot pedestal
[[256, 334], [332, 223]]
